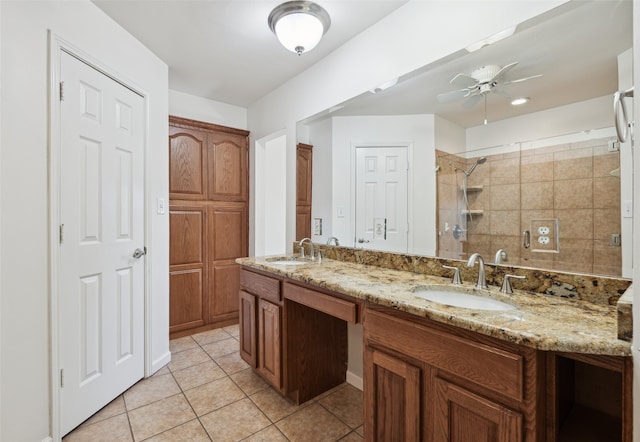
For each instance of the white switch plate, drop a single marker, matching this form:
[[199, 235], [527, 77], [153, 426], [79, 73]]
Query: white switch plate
[[317, 226], [627, 209], [340, 211], [161, 206]]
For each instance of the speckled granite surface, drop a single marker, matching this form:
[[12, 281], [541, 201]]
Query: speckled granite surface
[[541, 321]]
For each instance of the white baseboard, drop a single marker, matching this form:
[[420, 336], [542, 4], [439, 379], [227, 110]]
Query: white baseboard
[[355, 380], [47, 439], [160, 362]]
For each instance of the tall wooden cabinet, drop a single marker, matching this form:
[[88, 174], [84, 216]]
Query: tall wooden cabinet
[[304, 168], [208, 207]]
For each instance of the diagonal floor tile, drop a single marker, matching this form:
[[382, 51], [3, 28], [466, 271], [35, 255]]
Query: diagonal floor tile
[[209, 397], [234, 422], [182, 344], [232, 363], [346, 405], [249, 381], [192, 431], [113, 408], [214, 335], [113, 429], [222, 348], [196, 375], [312, 424], [150, 390], [269, 434], [187, 358], [233, 330], [160, 416], [352, 437], [274, 405]]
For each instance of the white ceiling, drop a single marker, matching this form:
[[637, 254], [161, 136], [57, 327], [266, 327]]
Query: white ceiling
[[224, 50], [574, 47]]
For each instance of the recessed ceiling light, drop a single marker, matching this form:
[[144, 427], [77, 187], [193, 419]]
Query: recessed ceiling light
[[520, 101]]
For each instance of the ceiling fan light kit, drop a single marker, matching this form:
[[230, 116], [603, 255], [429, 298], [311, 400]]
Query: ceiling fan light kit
[[299, 24]]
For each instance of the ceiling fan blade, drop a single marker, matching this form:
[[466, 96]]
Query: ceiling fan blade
[[521, 79], [472, 101], [453, 95], [463, 80], [501, 73]]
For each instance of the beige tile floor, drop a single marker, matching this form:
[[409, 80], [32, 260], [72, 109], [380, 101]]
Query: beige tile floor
[[208, 393]]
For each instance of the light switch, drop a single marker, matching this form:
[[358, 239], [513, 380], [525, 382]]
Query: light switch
[[161, 206], [627, 209]]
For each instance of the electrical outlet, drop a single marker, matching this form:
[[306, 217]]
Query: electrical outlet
[[543, 240], [543, 230], [317, 226]]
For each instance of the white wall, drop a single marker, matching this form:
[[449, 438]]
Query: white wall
[[415, 131], [434, 28], [636, 228], [319, 135], [24, 256], [449, 137], [202, 109]]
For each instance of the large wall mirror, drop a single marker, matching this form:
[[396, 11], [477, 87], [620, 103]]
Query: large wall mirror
[[448, 167]]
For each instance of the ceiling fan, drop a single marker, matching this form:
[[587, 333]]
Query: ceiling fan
[[479, 83]]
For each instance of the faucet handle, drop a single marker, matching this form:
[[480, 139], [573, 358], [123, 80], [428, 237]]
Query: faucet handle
[[457, 280], [506, 284]]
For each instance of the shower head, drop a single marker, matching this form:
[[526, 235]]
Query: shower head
[[480, 160]]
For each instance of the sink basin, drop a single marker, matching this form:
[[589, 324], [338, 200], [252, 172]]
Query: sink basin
[[462, 299]]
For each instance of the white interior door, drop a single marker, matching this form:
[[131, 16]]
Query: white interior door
[[101, 288], [381, 198]]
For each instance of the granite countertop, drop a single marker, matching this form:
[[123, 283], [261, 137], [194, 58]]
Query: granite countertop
[[539, 321]]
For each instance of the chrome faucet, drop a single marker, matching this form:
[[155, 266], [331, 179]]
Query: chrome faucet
[[334, 239], [501, 255], [301, 245], [482, 279]]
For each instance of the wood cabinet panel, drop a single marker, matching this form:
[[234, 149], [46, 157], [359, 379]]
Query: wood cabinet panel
[[186, 235], [187, 302], [336, 307], [248, 328], [488, 366], [227, 158], [266, 287], [208, 182], [304, 166], [227, 231], [269, 344], [225, 283], [462, 416], [392, 389], [187, 164], [304, 173]]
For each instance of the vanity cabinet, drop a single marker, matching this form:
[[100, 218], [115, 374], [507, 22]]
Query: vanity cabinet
[[428, 381], [261, 324]]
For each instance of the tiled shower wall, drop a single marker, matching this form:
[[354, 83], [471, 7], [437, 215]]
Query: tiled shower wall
[[575, 183]]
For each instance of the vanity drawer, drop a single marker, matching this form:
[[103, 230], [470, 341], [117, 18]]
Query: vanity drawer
[[263, 286], [336, 307], [490, 367]]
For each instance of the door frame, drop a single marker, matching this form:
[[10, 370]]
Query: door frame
[[57, 45], [353, 169]]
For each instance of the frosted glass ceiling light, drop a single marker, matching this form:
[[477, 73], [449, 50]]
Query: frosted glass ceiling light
[[299, 25]]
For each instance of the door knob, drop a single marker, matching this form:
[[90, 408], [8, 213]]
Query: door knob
[[139, 253], [362, 240]]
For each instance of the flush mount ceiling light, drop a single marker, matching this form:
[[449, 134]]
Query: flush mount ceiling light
[[299, 25]]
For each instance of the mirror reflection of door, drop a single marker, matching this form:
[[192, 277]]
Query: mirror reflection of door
[[381, 198]]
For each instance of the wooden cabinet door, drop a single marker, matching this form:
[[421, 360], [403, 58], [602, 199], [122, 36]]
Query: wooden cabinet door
[[228, 167], [187, 267], [227, 239], [187, 164], [463, 416], [304, 168], [269, 363], [392, 390], [248, 328]]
